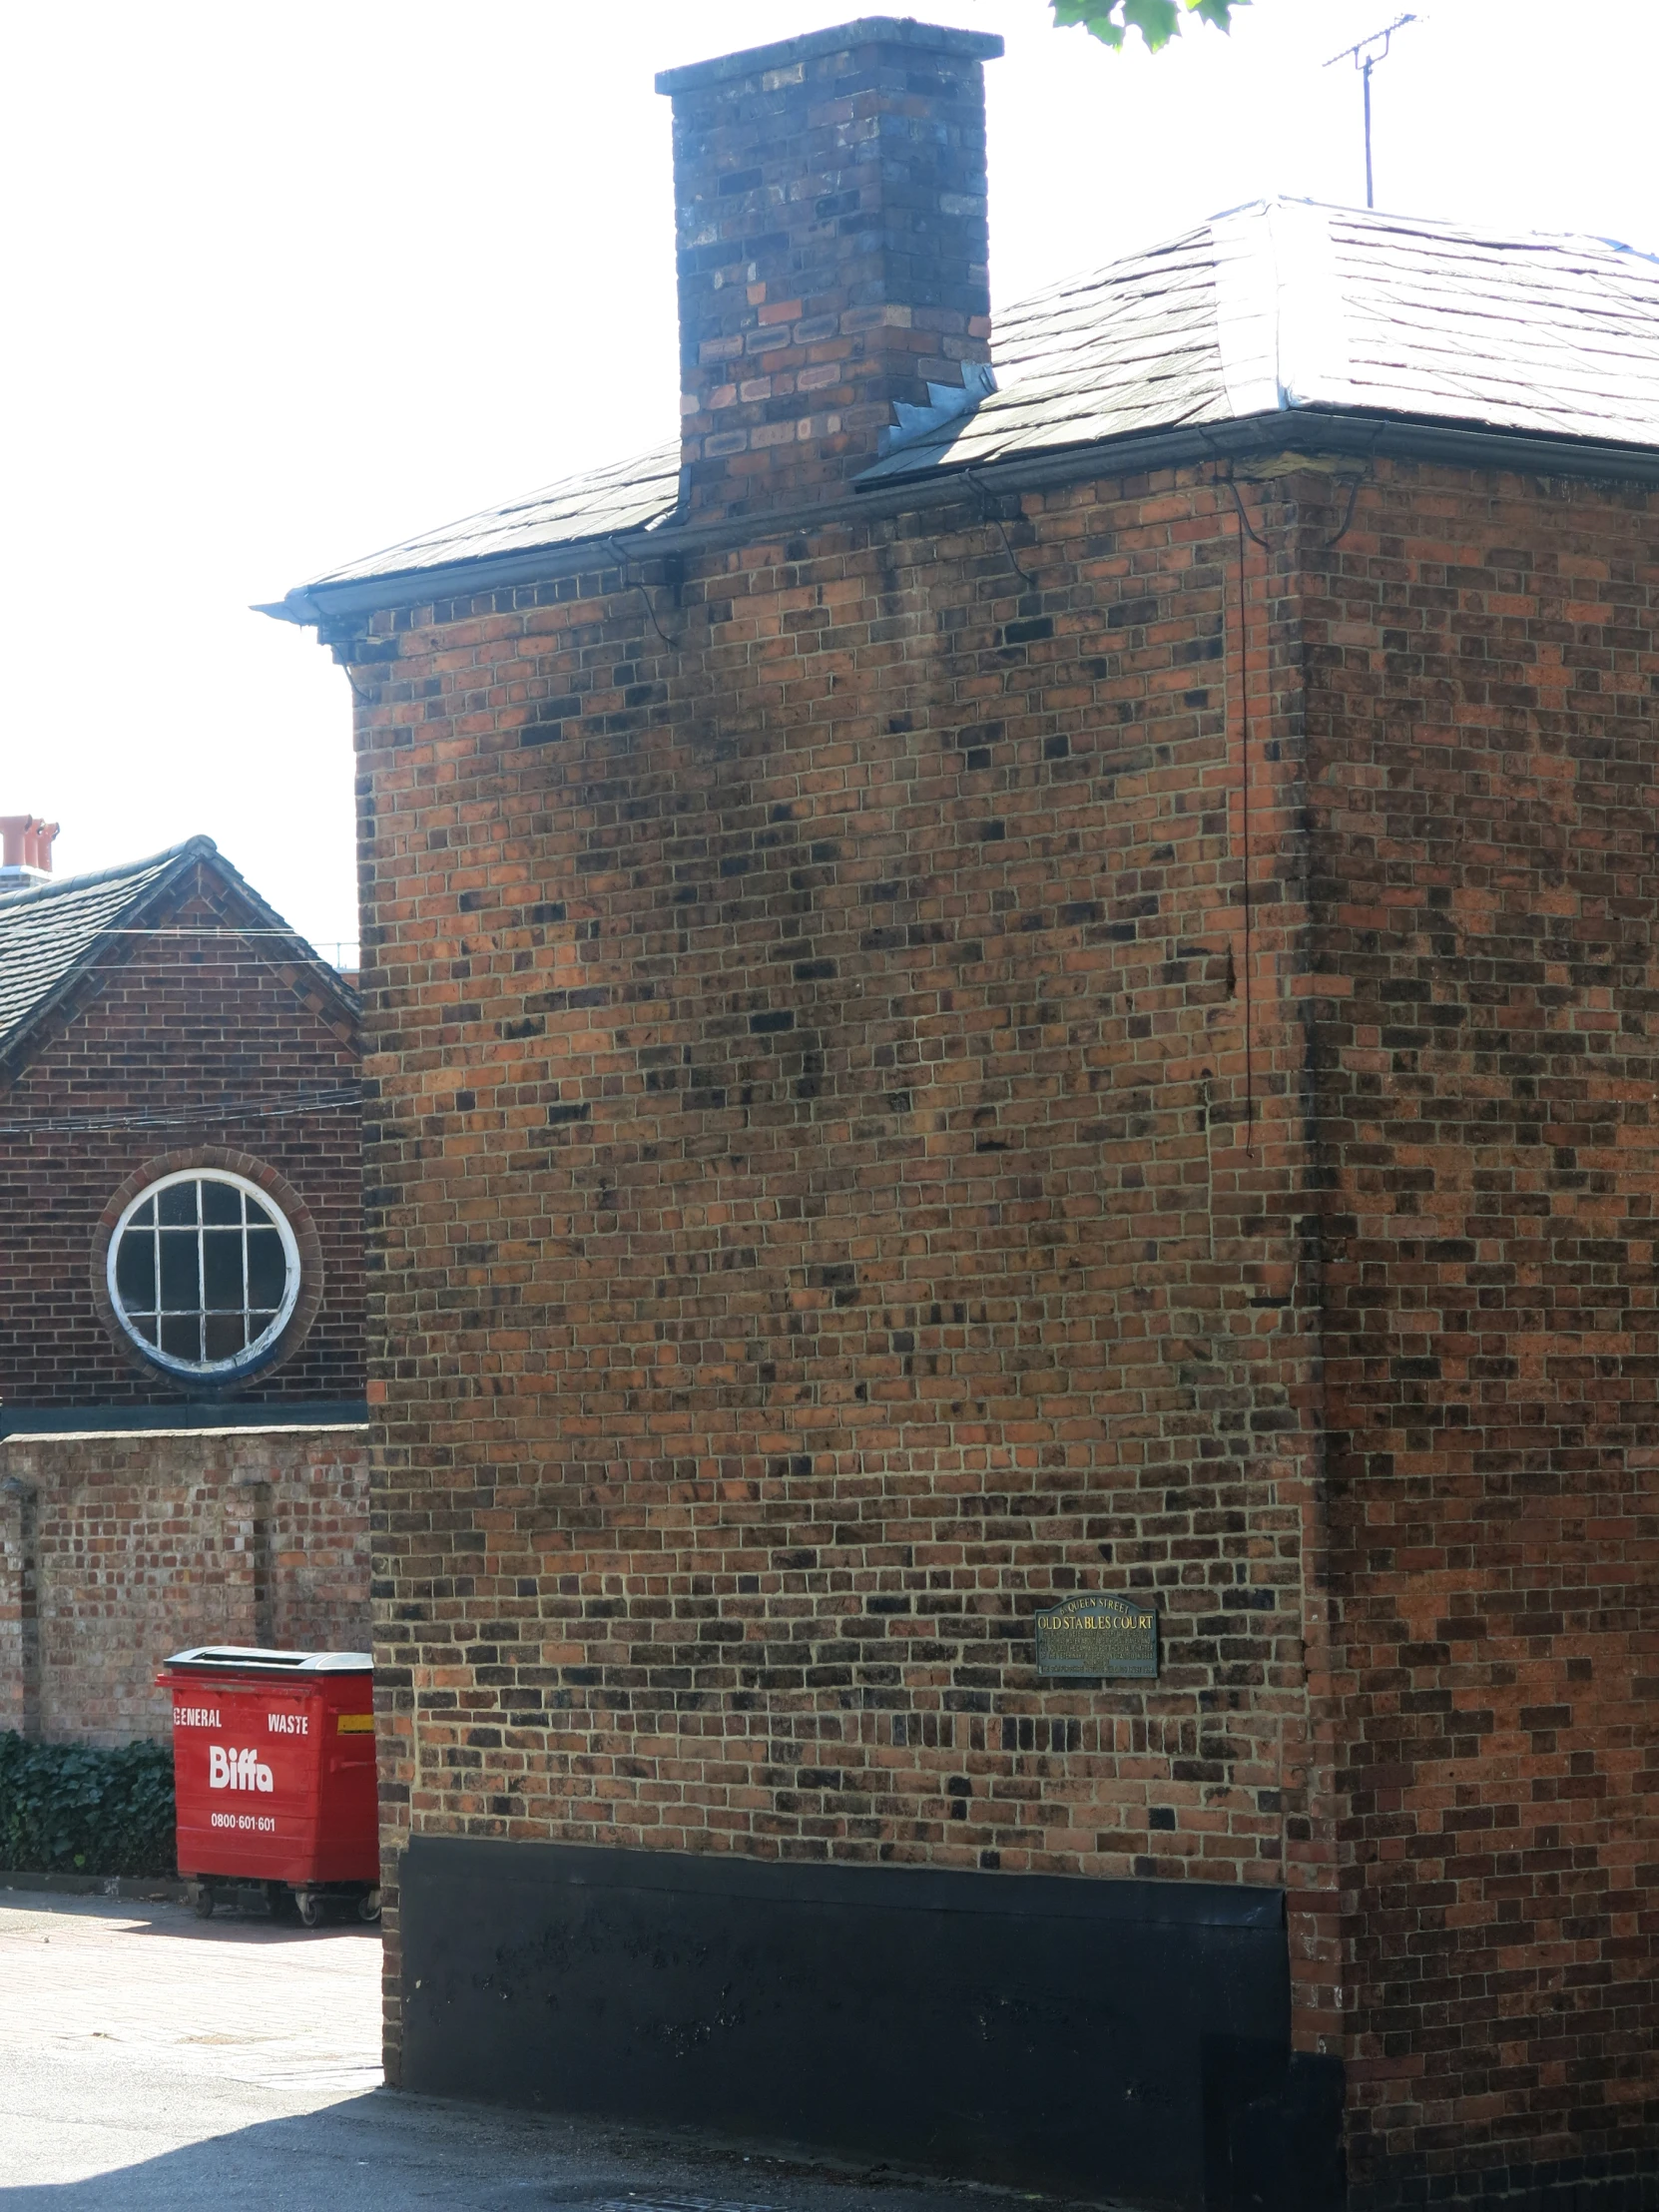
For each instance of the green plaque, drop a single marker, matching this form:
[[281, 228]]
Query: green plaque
[[1099, 1636]]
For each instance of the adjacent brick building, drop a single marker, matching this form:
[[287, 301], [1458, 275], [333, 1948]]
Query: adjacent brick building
[[974, 997], [181, 1454]]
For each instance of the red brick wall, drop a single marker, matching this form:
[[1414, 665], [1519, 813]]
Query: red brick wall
[[829, 1209], [120, 1549], [160, 1027], [19, 1644], [1483, 665], [849, 1169]]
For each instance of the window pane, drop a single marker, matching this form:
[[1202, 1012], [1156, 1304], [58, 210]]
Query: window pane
[[221, 1202], [222, 1268], [181, 1281], [178, 1202], [135, 1270], [181, 1335], [266, 1268], [224, 1338]]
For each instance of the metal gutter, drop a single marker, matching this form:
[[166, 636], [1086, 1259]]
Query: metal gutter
[[335, 610]]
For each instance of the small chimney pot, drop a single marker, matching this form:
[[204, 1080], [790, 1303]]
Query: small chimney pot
[[25, 849]]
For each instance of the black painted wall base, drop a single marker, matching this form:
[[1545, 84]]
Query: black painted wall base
[[1108, 2039], [1622, 2181]]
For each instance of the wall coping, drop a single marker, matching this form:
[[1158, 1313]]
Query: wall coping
[[72, 1423]]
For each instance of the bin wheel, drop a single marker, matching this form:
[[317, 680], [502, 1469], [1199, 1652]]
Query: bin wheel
[[369, 1906], [309, 1909], [203, 1901]]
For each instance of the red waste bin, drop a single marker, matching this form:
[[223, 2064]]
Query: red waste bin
[[274, 1772]]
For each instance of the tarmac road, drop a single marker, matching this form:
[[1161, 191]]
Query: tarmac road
[[150, 2059]]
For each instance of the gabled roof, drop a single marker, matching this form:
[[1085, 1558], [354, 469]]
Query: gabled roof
[[1280, 307], [52, 932]]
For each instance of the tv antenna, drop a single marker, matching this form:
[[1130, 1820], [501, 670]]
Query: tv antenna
[[1365, 54]]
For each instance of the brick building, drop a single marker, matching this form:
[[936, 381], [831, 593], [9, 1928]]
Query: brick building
[[978, 997], [182, 1418]]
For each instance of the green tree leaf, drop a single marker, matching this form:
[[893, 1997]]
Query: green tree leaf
[[1158, 21]]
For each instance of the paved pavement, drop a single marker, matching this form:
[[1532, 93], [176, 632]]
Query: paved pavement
[[150, 2059]]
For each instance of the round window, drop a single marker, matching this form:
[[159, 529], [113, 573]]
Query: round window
[[204, 1272]]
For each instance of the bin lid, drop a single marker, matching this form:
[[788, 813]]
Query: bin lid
[[248, 1659]]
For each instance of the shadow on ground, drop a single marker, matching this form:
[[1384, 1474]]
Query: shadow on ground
[[238, 1928], [384, 2152]]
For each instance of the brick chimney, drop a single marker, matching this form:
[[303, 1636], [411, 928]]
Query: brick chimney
[[25, 851], [829, 203]]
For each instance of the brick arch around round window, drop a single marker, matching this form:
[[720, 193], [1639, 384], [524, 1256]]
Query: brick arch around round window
[[281, 1194]]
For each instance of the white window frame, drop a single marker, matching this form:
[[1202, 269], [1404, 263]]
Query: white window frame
[[255, 1352]]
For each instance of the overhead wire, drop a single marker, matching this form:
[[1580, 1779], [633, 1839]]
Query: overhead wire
[[620, 556], [304, 947], [305, 1099], [319, 1099], [987, 513]]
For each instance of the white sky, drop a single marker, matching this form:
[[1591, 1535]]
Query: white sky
[[286, 283]]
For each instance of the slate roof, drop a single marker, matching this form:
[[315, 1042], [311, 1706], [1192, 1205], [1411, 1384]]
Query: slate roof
[[1279, 307], [626, 495], [1287, 305], [51, 930]]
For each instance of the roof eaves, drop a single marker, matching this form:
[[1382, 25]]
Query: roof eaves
[[308, 605], [911, 477], [336, 610], [639, 493]]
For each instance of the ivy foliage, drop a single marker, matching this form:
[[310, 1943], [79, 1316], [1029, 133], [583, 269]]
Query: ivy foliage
[[70, 1809], [1158, 21]]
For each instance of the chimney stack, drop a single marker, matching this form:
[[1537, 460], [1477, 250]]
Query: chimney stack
[[829, 204], [25, 851]]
